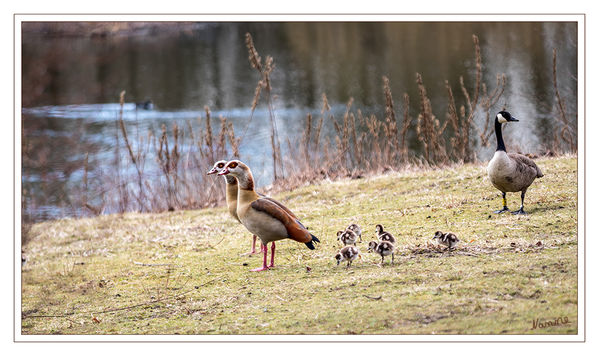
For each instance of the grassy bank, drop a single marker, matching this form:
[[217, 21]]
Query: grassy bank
[[184, 272]]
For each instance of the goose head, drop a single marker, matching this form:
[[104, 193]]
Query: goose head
[[338, 257], [438, 236], [379, 229], [218, 167], [372, 245], [504, 116], [241, 171], [235, 168]]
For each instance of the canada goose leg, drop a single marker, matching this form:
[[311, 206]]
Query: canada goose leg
[[272, 255], [504, 205], [392, 258], [264, 267], [521, 210]]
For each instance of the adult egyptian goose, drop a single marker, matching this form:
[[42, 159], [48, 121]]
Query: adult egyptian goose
[[264, 217], [383, 235], [348, 253], [510, 172], [231, 195], [448, 239]]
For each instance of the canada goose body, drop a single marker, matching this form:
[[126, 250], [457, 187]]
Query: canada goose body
[[265, 217], [510, 172]]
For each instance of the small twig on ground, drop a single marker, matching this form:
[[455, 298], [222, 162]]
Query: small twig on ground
[[373, 298], [152, 264]]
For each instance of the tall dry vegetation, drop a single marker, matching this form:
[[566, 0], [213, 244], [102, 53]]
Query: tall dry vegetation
[[360, 144]]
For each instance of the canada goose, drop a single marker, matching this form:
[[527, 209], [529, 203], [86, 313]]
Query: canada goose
[[348, 253], [510, 172], [265, 217], [356, 229], [347, 237], [383, 248], [383, 235], [448, 239]]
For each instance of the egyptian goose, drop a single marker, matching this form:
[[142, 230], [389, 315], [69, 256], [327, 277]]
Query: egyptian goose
[[383, 235], [347, 237], [382, 248], [265, 217], [348, 253], [448, 239], [510, 172], [356, 229], [231, 195]]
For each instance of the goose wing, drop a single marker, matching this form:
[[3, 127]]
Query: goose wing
[[526, 164], [295, 230]]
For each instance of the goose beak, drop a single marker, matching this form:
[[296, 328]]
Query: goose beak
[[513, 119], [212, 171], [224, 171]]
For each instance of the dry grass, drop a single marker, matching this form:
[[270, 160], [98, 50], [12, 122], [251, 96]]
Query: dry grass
[[184, 271]]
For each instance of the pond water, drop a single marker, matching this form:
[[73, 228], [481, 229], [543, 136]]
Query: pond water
[[71, 85]]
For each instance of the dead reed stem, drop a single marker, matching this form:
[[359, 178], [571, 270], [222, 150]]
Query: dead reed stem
[[565, 132]]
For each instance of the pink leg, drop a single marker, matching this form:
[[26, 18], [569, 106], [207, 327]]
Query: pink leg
[[264, 267], [272, 255], [253, 251]]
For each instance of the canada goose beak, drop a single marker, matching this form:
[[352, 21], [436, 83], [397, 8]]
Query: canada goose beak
[[224, 171], [513, 119]]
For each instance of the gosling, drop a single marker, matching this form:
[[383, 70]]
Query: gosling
[[356, 229], [382, 248], [347, 237], [348, 253], [383, 235], [448, 239]]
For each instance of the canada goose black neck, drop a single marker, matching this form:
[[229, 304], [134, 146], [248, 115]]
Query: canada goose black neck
[[500, 144]]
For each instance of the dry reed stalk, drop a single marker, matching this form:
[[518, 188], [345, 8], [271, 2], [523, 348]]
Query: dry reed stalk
[[306, 138], [565, 132], [405, 127], [391, 119], [208, 135], [265, 85], [487, 102], [222, 137], [429, 129], [233, 141]]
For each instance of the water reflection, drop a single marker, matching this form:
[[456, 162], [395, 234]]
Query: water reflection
[[71, 83]]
